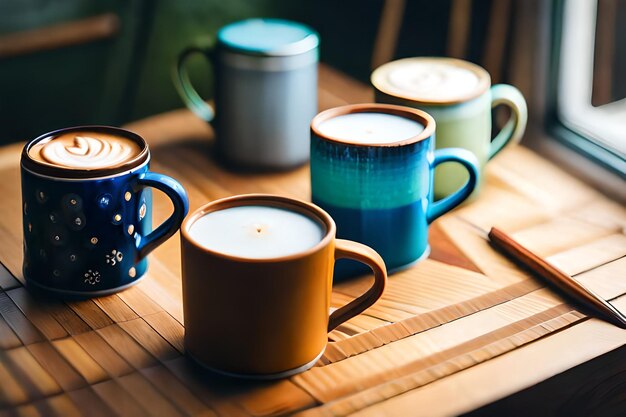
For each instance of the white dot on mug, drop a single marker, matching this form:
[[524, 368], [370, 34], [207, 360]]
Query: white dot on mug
[[127, 196], [132, 272], [131, 229], [72, 258], [56, 273], [94, 240]]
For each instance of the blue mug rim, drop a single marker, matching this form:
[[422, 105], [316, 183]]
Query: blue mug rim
[[417, 115]]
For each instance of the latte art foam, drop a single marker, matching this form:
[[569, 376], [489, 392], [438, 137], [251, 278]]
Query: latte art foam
[[431, 80], [85, 150]]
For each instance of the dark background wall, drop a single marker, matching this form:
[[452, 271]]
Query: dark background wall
[[126, 74]]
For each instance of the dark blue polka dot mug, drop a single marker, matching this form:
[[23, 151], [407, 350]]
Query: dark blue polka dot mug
[[87, 208]]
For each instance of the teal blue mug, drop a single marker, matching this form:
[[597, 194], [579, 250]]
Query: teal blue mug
[[372, 170]]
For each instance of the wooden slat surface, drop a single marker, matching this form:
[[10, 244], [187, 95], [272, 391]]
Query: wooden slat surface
[[445, 319]]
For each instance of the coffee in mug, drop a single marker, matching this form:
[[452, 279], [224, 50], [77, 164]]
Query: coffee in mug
[[256, 232], [257, 281], [87, 208], [84, 150], [459, 95]]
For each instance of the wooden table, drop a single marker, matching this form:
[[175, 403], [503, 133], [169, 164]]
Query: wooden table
[[460, 331]]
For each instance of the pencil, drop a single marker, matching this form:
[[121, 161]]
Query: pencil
[[552, 275]]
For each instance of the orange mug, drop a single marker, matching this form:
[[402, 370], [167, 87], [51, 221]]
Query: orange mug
[[257, 282]]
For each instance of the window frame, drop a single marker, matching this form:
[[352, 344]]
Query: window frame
[[562, 133]]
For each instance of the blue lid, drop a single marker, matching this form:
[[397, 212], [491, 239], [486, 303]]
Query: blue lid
[[268, 37]]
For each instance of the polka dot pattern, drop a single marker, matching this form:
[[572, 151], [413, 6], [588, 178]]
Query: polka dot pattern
[[80, 235]]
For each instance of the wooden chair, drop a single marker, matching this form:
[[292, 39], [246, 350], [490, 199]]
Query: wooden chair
[[459, 31], [57, 36], [507, 50]]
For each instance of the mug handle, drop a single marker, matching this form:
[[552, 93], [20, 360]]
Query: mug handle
[[347, 249], [469, 161], [178, 195], [183, 85], [507, 95]]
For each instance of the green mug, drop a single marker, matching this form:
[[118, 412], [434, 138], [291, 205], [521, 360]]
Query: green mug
[[459, 96]]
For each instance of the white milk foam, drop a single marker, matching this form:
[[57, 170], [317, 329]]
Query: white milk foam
[[370, 128], [436, 81], [256, 232]]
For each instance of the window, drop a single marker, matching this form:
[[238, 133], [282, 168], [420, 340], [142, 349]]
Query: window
[[588, 79]]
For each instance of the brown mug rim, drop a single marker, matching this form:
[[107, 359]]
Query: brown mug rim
[[483, 84], [417, 115], [43, 168], [308, 209]]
